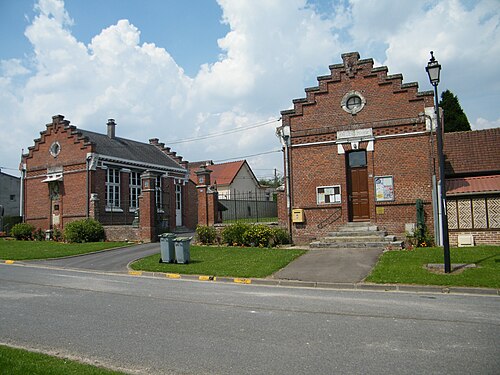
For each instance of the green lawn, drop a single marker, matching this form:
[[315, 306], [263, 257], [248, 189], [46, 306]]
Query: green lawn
[[24, 250], [22, 362], [408, 267], [225, 261]]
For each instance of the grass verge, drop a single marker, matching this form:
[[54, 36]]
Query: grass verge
[[25, 250], [409, 267], [225, 261], [21, 362]]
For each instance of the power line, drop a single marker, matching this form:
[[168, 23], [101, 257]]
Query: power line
[[218, 134], [247, 156]]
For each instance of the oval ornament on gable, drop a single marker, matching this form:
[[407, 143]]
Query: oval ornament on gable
[[55, 149]]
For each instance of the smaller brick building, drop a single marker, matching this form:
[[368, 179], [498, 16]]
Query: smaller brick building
[[361, 147], [135, 189]]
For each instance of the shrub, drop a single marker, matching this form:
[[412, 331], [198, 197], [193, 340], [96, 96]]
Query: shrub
[[280, 236], [206, 234], [86, 230], [233, 234], [22, 231], [10, 221], [57, 235], [258, 235], [39, 235]]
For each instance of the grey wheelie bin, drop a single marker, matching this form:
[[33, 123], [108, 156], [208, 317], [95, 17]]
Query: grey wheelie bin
[[182, 247], [167, 248]]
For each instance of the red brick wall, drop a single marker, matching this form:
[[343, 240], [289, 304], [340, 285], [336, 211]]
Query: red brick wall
[[401, 147], [191, 205], [489, 237]]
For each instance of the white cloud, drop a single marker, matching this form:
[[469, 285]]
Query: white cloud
[[274, 49], [482, 123]]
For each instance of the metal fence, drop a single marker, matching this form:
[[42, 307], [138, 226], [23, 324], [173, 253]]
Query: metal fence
[[253, 206]]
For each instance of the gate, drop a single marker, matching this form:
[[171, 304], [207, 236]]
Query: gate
[[253, 206]]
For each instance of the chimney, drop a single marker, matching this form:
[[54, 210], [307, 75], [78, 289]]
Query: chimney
[[111, 128]]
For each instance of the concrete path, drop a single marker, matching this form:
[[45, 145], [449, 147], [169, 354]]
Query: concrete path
[[115, 260], [331, 265]]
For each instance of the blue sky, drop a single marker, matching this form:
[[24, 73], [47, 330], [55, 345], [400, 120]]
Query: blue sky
[[178, 70]]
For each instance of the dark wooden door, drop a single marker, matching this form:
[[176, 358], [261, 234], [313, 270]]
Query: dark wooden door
[[357, 178]]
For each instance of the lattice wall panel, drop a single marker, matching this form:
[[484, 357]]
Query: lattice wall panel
[[494, 212], [451, 207], [465, 213], [479, 212]]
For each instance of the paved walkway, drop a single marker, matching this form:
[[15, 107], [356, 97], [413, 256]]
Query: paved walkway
[[331, 265], [317, 265]]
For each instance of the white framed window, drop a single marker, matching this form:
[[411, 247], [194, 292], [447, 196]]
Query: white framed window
[[158, 194], [112, 188], [134, 190], [328, 194]]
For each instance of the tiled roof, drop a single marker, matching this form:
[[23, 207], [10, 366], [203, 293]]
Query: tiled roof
[[471, 185], [472, 152], [129, 150], [222, 174]]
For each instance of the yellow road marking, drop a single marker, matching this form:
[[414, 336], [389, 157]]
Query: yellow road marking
[[135, 273], [207, 278], [173, 275], [9, 262], [243, 281]]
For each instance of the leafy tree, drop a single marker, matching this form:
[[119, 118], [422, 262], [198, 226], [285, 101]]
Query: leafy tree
[[272, 182], [455, 119]]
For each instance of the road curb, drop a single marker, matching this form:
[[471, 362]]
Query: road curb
[[406, 288], [325, 285]]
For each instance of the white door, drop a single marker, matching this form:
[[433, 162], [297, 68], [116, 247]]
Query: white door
[[178, 205]]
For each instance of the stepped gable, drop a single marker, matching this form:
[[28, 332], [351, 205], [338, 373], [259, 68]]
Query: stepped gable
[[60, 125], [108, 145], [168, 152], [353, 67]]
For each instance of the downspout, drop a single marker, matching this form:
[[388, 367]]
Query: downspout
[[87, 167], [22, 208]]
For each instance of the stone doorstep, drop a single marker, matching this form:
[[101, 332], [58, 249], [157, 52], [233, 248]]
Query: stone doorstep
[[354, 245], [359, 228], [354, 239], [357, 234]]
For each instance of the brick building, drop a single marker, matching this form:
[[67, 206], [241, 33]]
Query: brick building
[[472, 167], [136, 190], [360, 147]]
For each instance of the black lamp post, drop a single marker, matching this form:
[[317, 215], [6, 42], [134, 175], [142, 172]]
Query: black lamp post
[[433, 70]]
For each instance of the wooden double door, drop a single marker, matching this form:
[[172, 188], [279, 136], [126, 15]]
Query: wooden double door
[[357, 185]]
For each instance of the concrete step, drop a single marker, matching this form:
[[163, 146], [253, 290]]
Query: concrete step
[[365, 238], [356, 234], [359, 228], [355, 245]]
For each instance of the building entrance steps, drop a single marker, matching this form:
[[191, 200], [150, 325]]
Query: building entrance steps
[[357, 235]]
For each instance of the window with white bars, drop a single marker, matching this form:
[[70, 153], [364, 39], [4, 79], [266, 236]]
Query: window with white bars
[[134, 189], [112, 188]]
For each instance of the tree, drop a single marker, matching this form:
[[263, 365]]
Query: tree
[[455, 119]]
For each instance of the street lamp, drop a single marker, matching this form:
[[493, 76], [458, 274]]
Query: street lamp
[[433, 70]]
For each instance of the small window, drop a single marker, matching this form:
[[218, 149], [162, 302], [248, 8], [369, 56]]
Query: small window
[[357, 159], [328, 194], [12, 197], [353, 102]]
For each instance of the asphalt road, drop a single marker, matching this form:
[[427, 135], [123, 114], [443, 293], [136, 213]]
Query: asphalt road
[[163, 326], [110, 260]]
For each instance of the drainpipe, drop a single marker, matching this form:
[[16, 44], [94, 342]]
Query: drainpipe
[[21, 193], [283, 133]]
